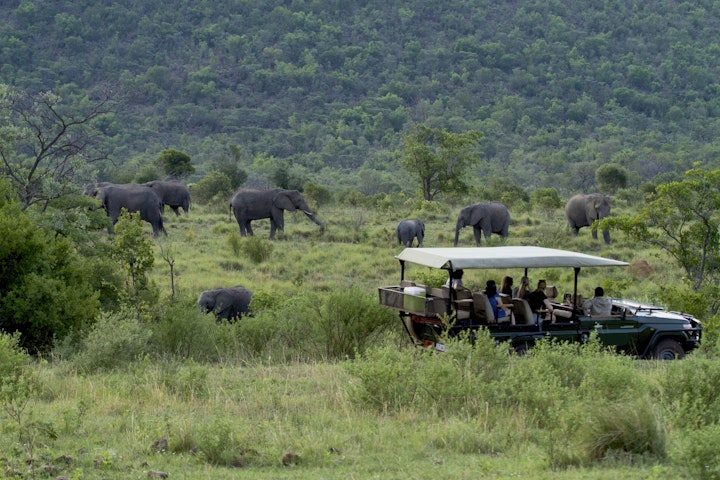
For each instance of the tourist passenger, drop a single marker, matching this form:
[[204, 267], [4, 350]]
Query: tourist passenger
[[523, 290], [538, 301], [499, 310], [506, 285], [456, 277], [599, 305]]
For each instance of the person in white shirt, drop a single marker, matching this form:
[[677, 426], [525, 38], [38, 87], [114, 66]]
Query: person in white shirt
[[599, 305]]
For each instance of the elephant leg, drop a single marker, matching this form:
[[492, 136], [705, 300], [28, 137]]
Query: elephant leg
[[606, 236], [477, 231], [176, 210], [574, 231], [594, 234]]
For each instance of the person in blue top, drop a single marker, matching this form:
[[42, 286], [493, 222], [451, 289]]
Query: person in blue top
[[501, 311]]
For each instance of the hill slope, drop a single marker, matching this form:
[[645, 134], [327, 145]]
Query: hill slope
[[330, 86]]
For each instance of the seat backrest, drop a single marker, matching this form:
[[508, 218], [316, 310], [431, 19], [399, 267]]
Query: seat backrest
[[551, 292], [482, 308], [579, 300], [463, 294], [441, 292], [407, 283], [522, 312]]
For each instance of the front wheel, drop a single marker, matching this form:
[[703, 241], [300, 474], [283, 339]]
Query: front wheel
[[668, 350]]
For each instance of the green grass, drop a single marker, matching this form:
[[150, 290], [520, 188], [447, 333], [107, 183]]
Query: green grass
[[234, 400]]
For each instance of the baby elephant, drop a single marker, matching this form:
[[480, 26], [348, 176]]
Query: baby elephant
[[407, 230], [226, 303]]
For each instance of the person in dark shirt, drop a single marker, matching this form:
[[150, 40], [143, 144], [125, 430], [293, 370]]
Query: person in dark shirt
[[538, 301]]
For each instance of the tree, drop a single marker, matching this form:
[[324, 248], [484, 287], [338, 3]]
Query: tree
[[547, 200], [175, 164], [611, 177], [45, 290], [439, 160], [134, 252], [681, 220], [45, 146]]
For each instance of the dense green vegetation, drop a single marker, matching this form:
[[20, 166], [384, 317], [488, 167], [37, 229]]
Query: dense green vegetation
[[108, 369], [324, 90], [325, 374]]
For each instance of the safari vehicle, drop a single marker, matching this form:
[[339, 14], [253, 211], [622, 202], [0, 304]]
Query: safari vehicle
[[643, 331]]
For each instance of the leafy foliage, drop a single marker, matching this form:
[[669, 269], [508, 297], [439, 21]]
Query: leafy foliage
[[175, 164], [44, 291], [681, 220], [439, 160], [44, 146], [557, 90]]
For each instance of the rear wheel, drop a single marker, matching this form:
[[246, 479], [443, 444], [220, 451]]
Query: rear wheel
[[668, 350], [521, 348]]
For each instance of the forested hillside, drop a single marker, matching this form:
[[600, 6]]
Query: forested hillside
[[326, 89]]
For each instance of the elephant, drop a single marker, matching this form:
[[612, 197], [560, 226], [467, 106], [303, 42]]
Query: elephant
[[488, 218], [249, 205], [176, 195], [582, 210], [133, 198], [407, 230], [226, 303]]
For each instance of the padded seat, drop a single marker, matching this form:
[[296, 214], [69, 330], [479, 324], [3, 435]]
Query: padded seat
[[551, 292], [482, 308], [523, 314]]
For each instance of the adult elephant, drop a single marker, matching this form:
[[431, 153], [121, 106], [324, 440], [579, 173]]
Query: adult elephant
[[485, 218], [133, 198], [249, 205], [226, 303], [174, 194], [407, 230], [582, 210]]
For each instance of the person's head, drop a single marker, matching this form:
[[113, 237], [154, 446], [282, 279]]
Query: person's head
[[599, 292], [525, 281], [541, 284], [567, 298], [490, 288], [507, 282], [457, 274]]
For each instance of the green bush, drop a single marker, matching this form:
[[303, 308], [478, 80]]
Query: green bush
[[183, 332], [698, 452], [45, 291], [257, 249], [114, 341]]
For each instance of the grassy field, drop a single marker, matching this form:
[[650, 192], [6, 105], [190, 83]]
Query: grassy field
[[252, 400]]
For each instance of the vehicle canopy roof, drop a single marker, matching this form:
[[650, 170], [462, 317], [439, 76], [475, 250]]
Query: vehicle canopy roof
[[502, 257]]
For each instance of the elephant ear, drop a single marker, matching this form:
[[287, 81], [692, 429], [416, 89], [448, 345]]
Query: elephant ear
[[282, 200], [476, 215]]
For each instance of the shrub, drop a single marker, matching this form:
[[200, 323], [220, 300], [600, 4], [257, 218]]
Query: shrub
[[184, 332], [698, 452], [257, 249], [114, 341]]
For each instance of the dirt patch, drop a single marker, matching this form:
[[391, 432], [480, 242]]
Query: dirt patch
[[641, 268]]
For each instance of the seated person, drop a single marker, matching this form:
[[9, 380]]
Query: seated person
[[455, 280], [599, 305], [539, 302], [499, 310], [562, 312], [522, 290]]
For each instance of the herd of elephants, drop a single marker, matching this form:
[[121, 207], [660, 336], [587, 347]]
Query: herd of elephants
[[149, 200]]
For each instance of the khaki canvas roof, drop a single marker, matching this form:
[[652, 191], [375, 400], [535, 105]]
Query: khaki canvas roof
[[502, 257]]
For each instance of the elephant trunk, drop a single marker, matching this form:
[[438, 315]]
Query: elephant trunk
[[315, 220], [457, 233]]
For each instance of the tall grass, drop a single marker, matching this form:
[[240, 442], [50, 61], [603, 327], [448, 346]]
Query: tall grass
[[323, 377]]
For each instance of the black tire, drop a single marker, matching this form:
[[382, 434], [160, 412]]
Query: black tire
[[668, 350], [521, 348]]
